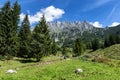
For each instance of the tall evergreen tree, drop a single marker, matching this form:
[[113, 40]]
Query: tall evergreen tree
[[117, 39], [36, 46], [7, 30], [45, 37], [25, 38], [54, 48], [111, 39], [95, 44], [41, 44], [79, 47], [1, 36], [107, 42], [64, 51], [16, 12], [15, 16]]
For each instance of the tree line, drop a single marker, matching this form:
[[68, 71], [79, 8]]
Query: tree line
[[20, 41]]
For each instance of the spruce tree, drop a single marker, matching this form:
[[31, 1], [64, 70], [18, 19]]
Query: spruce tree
[[25, 38], [7, 31], [15, 16], [79, 47], [107, 42], [36, 46], [16, 12], [41, 45], [64, 51], [117, 39], [54, 48], [112, 39], [95, 44], [1, 36], [45, 37]]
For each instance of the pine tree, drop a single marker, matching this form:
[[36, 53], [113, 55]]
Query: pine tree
[[95, 44], [112, 39], [79, 47], [45, 37], [25, 38], [54, 48], [36, 46], [7, 31], [64, 51], [15, 19], [16, 12], [41, 45], [1, 36], [106, 42], [117, 39]]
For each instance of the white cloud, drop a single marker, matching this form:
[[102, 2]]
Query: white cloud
[[114, 24], [22, 16], [51, 13], [96, 24]]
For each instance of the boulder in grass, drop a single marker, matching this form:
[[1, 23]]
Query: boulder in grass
[[62, 57], [77, 71], [11, 71]]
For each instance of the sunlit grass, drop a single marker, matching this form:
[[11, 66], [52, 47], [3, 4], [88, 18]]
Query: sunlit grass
[[60, 70]]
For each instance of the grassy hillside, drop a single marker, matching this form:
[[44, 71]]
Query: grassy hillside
[[58, 70], [112, 52]]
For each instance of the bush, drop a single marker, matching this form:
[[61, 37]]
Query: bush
[[1, 57]]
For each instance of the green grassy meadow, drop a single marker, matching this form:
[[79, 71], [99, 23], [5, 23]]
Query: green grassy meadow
[[59, 70], [52, 68]]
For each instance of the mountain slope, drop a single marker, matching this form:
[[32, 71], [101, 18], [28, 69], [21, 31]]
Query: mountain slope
[[67, 32], [112, 52]]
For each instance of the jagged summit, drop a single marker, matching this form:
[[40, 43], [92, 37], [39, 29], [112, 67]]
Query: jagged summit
[[58, 26]]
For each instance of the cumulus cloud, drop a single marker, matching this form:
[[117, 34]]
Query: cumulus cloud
[[114, 24], [22, 16], [51, 13], [97, 24]]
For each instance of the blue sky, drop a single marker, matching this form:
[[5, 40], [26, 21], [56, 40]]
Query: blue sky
[[97, 12]]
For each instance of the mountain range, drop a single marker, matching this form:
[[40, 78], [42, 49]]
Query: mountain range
[[67, 32]]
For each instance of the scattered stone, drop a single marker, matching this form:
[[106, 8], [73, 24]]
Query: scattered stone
[[11, 71], [77, 71], [63, 57]]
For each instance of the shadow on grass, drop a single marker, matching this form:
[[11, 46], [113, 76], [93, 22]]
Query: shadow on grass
[[26, 60]]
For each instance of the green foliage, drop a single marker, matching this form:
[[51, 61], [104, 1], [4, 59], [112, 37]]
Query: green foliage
[[64, 50], [25, 38], [6, 29], [106, 42], [79, 47], [36, 46], [8, 34], [42, 41], [54, 47], [15, 20], [95, 44], [16, 11], [111, 39]]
